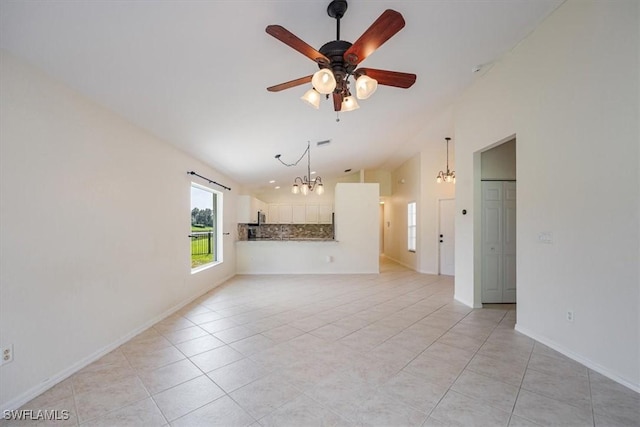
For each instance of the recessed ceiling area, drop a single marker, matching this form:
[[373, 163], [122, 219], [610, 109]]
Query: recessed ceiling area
[[195, 73]]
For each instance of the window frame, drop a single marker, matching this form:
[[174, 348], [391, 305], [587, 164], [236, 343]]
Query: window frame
[[412, 226], [218, 209]]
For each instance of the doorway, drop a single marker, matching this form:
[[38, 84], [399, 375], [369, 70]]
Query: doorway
[[446, 236], [498, 279]]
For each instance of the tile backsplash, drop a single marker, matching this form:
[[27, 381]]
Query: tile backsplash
[[286, 231]]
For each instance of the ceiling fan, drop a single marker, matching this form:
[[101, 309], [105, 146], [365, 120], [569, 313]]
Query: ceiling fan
[[339, 59]]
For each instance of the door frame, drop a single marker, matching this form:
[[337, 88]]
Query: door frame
[[440, 199], [477, 219]]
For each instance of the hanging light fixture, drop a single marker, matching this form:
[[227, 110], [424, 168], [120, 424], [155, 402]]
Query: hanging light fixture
[[349, 103], [365, 86], [312, 97], [449, 176], [324, 81], [306, 184]]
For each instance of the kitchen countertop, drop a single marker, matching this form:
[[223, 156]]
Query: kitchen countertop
[[292, 239]]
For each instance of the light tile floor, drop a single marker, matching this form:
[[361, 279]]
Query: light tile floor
[[392, 349]]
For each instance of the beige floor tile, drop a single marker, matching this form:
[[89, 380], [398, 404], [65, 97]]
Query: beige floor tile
[[148, 341], [218, 325], [155, 359], [546, 411], [111, 396], [216, 358], [168, 376], [265, 395], [303, 411], [517, 421], [199, 345], [457, 409], [486, 389], [330, 332], [186, 334], [233, 334], [370, 349], [173, 323], [381, 410], [613, 401], [186, 397], [237, 374], [283, 333], [142, 413], [555, 366], [507, 371], [222, 412], [413, 391], [203, 317], [62, 412], [60, 391], [253, 344], [569, 389]]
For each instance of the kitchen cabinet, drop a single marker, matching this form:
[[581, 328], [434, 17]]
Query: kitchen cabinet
[[247, 209], [273, 216], [325, 214], [299, 214], [311, 214], [285, 214]]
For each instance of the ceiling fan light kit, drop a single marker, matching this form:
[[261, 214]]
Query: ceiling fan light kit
[[338, 61], [312, 97]]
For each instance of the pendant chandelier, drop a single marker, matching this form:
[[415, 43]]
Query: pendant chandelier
[[306, 184], [449, 176]]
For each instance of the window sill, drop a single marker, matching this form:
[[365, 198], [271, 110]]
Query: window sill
[[205, 267]]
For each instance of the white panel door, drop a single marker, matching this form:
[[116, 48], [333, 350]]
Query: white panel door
[[492, 242], [509, 243], [447, 236], [498, 242]]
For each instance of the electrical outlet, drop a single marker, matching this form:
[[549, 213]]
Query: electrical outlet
[[7, 354], [570, 316]]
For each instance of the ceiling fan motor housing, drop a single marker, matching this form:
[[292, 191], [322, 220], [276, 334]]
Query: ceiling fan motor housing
[[335, 50]]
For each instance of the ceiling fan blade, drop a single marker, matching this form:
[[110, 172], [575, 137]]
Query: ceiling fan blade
[[387, 25], [337, 101], [389, 78], [290, 84], [288, 38]]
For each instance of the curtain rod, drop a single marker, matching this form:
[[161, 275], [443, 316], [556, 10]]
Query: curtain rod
[[210, 181]]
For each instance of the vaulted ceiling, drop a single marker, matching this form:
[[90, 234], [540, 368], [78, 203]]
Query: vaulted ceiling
[[194, 73]]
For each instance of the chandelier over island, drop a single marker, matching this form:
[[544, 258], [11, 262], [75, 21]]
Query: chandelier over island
[[448, 176], [306, 184]]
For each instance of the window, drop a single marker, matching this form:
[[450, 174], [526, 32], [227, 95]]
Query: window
[[206, 222], [411, 226]]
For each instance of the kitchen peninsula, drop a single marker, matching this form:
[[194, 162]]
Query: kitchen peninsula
[[350, 245]]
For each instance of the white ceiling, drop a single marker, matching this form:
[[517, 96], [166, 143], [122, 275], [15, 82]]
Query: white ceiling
[[195, 73]]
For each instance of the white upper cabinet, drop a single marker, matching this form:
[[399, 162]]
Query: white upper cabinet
[[311, 214], [299, 214], [325, 214], [247, 209]]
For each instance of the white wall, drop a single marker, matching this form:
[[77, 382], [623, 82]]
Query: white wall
[[569, 93], [499, 163], [405, 188], [95, 215], [355, 251]]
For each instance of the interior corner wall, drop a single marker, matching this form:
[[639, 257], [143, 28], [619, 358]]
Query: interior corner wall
[[95, 215], [569, 92]]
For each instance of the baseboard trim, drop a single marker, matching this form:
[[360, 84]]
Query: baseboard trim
[[580, 359], [33, 392]]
